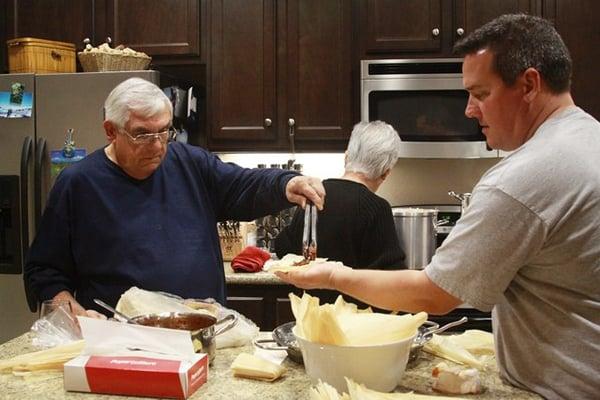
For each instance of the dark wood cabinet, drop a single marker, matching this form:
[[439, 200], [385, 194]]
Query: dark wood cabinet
[[577, 23], [268, 306], [280, 70], [389, 26], [156, 27], [469, 15], [242, 74], [164, 29], [409, 28], [62, 20]]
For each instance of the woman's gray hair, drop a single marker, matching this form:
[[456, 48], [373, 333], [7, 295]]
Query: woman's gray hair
[[374, 148], [135, 96]]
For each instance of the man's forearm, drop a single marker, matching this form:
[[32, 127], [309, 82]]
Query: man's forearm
[[405, 290]]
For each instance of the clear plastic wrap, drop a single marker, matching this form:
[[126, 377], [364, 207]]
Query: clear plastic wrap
[[137, 301], [56, 328]]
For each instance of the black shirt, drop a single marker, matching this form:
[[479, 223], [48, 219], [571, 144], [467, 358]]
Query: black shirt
[[355, 227]]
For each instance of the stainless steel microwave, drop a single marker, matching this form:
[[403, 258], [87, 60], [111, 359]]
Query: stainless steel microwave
[[424, 100]]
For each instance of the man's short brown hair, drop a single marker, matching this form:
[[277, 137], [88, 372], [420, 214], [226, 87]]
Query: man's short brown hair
[[518, 42]]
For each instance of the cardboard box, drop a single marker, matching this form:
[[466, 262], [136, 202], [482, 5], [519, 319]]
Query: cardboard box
[[135, 360], [40, 56], [136, 376]]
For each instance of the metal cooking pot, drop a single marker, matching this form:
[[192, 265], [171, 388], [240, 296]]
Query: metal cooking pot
[[465, 199], [417, 230], [425, 333], [283, 339], [201, 327]]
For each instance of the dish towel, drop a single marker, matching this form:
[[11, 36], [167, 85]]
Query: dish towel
[[251, 259]]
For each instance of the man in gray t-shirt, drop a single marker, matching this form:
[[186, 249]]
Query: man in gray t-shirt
[[528, 246]]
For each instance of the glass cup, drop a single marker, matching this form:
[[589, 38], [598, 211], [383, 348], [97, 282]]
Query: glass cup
[[50, 306]]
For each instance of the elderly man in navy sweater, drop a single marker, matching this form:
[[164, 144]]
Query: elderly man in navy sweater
[[143, 212]]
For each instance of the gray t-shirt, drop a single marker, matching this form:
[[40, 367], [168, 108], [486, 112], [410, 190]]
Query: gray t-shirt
[[528, 247]]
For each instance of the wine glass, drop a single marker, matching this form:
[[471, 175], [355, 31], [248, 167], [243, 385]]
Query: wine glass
[[49, 306]]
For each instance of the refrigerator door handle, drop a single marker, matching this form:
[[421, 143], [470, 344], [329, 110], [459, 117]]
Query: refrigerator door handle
[[40, 153], [26, 154]]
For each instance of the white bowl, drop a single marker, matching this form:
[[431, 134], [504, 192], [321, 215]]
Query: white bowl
[[379, 367]]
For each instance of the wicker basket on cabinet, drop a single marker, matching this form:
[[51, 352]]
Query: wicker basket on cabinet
[[96, 61]]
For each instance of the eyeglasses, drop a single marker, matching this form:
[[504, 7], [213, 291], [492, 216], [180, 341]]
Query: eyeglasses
[[165, 136]]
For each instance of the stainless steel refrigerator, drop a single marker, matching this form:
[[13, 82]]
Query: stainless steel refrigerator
[[58, 102]]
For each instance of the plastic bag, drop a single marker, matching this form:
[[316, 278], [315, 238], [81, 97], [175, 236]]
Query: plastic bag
[[137, 301], [56, 328], [242, 333]]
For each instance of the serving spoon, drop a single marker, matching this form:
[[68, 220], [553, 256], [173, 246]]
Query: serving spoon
[[109, 308]]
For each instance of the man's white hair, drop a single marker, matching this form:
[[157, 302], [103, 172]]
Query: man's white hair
[[135, 96], [374, 148]]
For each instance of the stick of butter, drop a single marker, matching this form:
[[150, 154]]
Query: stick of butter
[[250, 366]]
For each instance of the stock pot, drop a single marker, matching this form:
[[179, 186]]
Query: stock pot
[[416, 229]]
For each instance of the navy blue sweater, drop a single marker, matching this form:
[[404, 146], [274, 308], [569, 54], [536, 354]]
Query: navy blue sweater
[[104, 231]]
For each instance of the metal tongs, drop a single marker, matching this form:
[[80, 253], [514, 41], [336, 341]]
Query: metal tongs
[[309, 236]]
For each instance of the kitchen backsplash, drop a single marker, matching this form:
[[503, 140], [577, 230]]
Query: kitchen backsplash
[[412, 181]]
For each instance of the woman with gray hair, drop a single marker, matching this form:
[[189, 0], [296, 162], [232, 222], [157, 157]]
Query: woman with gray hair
[[356, 226]]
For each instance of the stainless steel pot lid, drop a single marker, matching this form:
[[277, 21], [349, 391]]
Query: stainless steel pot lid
[[413, 211]]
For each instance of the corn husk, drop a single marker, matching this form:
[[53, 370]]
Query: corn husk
[[43, 360], [443, 346], [360, 392], [475, 342], [288, 263], [323, 391], [343, 324]]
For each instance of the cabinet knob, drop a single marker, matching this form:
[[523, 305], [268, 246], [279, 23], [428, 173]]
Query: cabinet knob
[[435, 31], [268, 122], [460, 31], [291, 136]]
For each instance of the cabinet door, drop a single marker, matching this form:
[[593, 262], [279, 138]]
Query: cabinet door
[[471, 14], [156, 27], [241, 94], [62, 20], [400, 25], [317, 86], [577, 23], [252, 308]]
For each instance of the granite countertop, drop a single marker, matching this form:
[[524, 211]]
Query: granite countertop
[[250, 278], [221, 384]]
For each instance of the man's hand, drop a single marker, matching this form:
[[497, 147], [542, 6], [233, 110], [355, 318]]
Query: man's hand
[[299, 189], [76, 308], [317, 276]]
